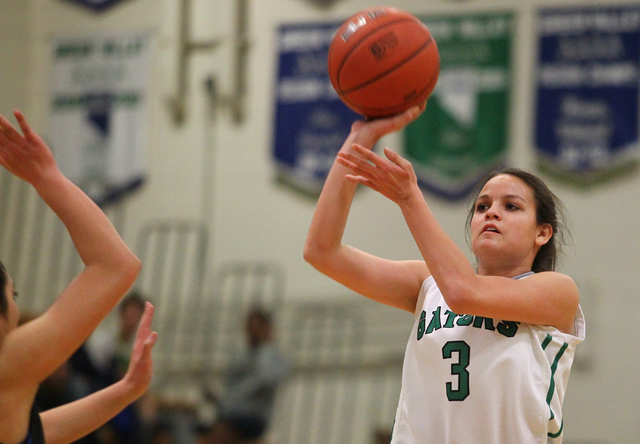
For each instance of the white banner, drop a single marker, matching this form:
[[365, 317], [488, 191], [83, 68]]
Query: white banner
[[99, 91]]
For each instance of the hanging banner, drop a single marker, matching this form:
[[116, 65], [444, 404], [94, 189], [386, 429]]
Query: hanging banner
[[311, 122], [99, 88], [463, 132], [586, 123]]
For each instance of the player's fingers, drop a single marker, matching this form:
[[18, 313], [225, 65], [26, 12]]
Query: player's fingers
[[413, 112], [147, 346], [149, 311], [7, 130], [145, 321], [391, 166], [355, 164], [364, 158], [364, 181], [396, 158], [344, 161], [4, 123], [24, 125], [403, 164], [367, 154], [22, 121], [401, 120], [380, 170], [3, 161], [151, 340], [360, 179], [4, 140]]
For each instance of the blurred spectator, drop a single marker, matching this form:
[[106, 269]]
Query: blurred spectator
[[147, 421], [251, 382]]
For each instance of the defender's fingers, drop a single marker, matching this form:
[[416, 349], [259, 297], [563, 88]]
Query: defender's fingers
[[7, 129], [147, 317], [24, 125], [151, 340]]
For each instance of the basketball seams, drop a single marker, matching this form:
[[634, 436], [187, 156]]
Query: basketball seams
[[390, 66], [395, 67], [357, 43], [389, 111]]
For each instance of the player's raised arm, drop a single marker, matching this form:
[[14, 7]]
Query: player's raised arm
[[390, 282], [31, 352], [70, 422]]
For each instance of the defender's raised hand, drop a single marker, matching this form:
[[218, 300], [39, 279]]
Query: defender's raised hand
[[24, 155]]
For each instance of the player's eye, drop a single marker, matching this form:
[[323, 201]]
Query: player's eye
[[511, 206]]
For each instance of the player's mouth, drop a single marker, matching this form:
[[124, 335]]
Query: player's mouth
[[490, 228]]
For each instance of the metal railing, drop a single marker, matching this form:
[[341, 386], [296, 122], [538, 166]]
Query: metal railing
[[346, 363]]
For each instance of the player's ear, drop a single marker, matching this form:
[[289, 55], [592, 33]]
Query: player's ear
[[545, 232]]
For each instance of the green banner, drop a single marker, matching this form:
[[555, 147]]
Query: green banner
[[463, 132]]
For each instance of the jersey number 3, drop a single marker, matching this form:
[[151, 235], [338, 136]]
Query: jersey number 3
[[458, 369]]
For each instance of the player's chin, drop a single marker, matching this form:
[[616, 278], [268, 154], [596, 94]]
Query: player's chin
[[486, 245]]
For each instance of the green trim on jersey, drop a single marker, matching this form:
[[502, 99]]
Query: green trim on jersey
[[555, 435], [552, 384]]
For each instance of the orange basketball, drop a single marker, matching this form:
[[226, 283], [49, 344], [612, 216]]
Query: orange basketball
[[383, 61]]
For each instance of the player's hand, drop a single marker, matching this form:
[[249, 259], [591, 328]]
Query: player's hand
[[367, 132], [392, 177], [24, 155], [140, 369]]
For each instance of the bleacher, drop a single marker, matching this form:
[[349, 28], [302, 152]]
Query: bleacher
[[346, 356]]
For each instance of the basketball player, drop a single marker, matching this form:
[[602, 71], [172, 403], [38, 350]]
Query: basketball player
[[491, 348], [31, 352]]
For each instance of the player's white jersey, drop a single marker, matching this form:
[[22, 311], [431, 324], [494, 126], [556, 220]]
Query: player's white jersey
[[468, 379]]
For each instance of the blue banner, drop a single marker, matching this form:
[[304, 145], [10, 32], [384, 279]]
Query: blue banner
[[587, 91], [311, 122]]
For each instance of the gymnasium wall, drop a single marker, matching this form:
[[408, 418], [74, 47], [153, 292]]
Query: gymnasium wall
[[218, 172]]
